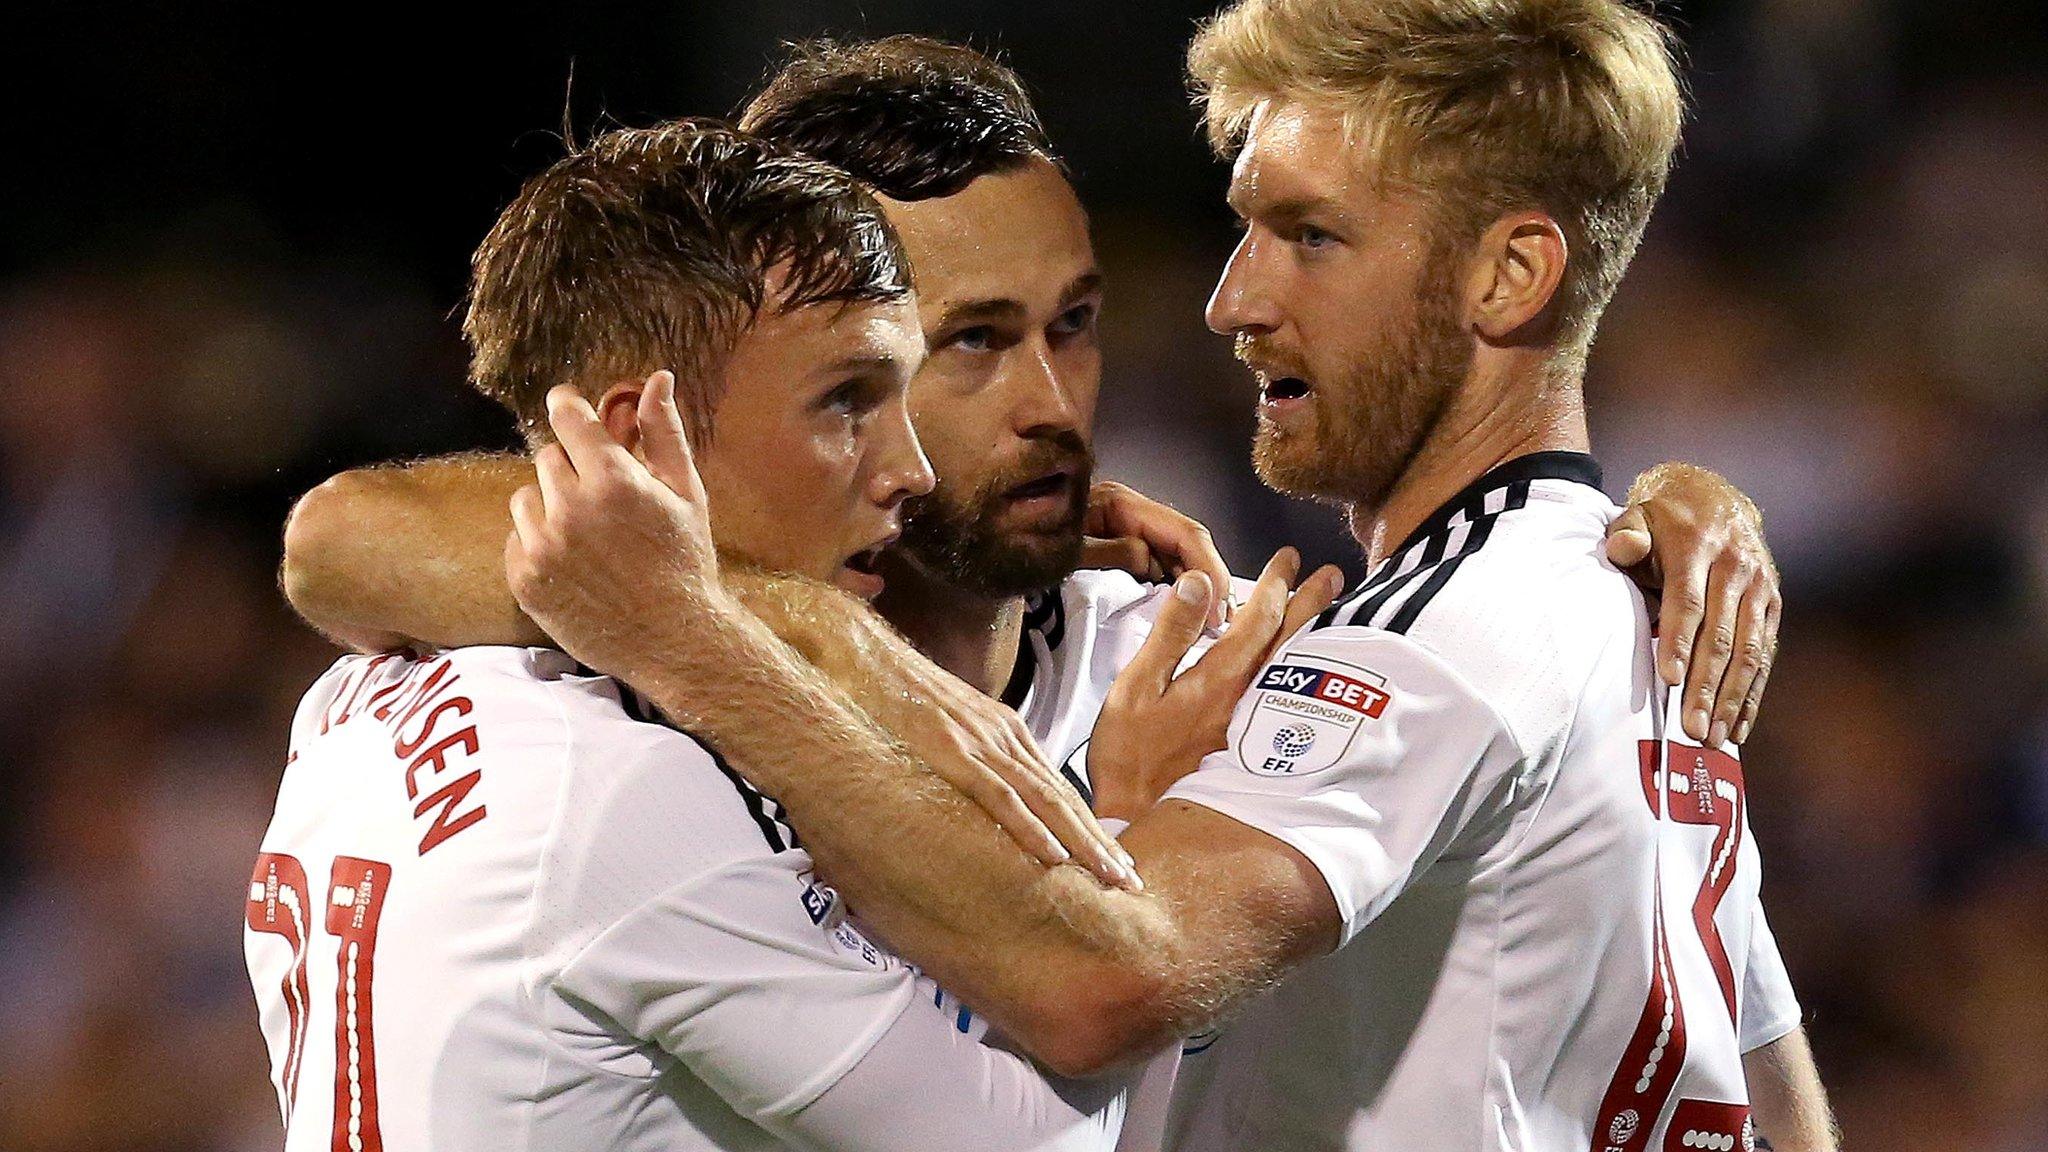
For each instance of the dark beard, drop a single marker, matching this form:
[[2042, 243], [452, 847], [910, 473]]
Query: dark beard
[[1369, 428], [956, 539]]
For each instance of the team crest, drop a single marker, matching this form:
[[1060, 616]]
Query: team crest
[[1305, 714]]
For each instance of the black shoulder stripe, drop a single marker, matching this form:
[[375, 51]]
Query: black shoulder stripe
[[756, 804], [1407, 594], [1328, 616], [1432, 552], [1404, 619], [768, 814], [1018, 688], [1080, 785]]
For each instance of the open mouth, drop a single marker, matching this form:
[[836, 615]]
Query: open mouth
[[1283, 388], [1050, 484], [868, 563]]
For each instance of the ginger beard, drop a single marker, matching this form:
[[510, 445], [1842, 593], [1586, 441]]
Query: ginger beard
[[979, 540], [1369, 419]]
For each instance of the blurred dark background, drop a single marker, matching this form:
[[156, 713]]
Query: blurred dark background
[[231, 238]]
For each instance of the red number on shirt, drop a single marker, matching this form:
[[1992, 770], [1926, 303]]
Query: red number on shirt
[[279, 904], [1696, 786], [355, 901]]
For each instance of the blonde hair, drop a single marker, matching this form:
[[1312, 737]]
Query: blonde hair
[[1485, 106]]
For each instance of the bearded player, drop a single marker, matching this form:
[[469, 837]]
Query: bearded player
[[1462, 781], [984, 580], [499, 905]]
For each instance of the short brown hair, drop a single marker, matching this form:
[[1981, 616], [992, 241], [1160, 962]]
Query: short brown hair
[[916, 118], [652, 248], [1568, 106]]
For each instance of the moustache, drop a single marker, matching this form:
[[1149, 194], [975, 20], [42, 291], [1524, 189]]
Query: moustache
[[1266, 356]]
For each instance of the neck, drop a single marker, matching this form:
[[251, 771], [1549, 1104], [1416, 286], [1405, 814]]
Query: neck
[[1505, 410], [973, 637]]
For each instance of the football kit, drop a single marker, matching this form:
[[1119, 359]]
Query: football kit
[[1551, 930], [499, 907]]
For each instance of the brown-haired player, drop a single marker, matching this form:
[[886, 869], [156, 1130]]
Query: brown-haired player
[[1009, 295], [1462, 780], [500, 905]]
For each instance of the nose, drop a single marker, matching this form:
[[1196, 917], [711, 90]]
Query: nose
[[901, 470], [1241, 301], [1042, 403]]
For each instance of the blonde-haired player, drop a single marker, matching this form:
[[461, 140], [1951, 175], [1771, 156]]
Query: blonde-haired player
[[1522, 909]]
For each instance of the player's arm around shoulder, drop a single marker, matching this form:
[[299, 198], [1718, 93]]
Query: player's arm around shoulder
[[408, 555]]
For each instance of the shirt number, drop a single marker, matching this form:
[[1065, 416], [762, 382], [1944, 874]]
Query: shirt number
[[280, 904]]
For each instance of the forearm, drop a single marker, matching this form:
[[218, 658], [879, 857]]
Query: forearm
[[1787, 1101], [409, 556], [928, 869]]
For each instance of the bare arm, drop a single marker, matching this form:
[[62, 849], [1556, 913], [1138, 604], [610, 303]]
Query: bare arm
[[410, 555], [1082, 974], [1786, 1099]]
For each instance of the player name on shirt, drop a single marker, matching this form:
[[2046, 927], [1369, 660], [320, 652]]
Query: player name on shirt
[[435, 751]]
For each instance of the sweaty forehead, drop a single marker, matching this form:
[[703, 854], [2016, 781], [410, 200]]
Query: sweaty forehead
[[1014, 235], [1295, 154], [817, 337]]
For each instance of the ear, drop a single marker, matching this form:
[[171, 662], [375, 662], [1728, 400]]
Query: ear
[[619, 408], [1522, 264]]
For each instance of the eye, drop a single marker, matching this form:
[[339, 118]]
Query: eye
[[850, 398], [980, 338], [1314, 239], [1080, 318]]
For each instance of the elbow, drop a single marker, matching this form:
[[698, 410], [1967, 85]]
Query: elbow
[[1101, 1020], [312, 533], [318, 534]]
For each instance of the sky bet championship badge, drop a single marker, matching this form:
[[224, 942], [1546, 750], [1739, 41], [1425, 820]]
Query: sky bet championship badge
[[1308, 710]]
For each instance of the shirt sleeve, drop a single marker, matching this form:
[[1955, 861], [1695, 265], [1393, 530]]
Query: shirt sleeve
[[1770, 1008], [969, 1093], [751, 977], [1365, 753]]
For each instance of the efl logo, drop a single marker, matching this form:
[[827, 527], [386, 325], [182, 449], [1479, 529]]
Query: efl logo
[[1368, 700]]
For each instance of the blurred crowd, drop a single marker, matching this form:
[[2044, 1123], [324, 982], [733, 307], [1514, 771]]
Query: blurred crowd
[[1843, 306]]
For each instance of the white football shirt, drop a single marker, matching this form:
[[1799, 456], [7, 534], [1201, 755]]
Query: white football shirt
[[497, 908], [1552, 936]]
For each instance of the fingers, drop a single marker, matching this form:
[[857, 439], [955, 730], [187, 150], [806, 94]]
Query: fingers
[[556, 475], [1177, 543], [1628, 538], [529, 524], [1683, 604], [1123, 554], [1073, 827], [1753, 699], [993, 795], [529, 516], [1051, 825], [1748, 659], [580, 432], [1175, 630], [664, 442], [1256, 623], [1727, 581], [1315, 594]]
